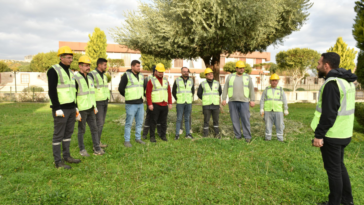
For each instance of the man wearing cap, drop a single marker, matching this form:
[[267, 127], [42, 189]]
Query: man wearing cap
[[182, 91], [131, 87], [209, 92], [86, 106], [62, 95], [240, 89], [102, 95], [272, 102], [159, 99], [146, 127]]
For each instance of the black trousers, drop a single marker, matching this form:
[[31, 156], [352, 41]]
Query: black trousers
[[100, 116], [146, 127], [158, 116], [339, 182], [215, 118]]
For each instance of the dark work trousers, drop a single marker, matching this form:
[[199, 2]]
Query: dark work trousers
[[215, 118], [146, 127], [339, 182], [63, 130], [158, 116], [89, 117], [100, 116]]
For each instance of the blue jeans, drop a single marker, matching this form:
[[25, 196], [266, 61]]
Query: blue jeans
[[137, 111], [183, 109]]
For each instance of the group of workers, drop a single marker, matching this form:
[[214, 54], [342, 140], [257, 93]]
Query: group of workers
[[84, 97]]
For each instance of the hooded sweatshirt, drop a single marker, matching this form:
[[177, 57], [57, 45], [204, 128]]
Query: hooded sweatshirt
[[331, 104], [122, 86]]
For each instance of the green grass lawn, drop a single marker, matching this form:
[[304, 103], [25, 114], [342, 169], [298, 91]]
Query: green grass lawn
[[199, 171]]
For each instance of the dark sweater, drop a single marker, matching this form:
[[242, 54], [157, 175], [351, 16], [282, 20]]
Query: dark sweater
[[122, 86], [174, 88], [331, 105], [52, 89], [200, 92]]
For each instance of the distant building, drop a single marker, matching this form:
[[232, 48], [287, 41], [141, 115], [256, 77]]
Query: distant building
[[28, 58]]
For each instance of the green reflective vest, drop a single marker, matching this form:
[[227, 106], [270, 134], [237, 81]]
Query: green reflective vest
[[184, 94], [210, 96], [159, 92], [245, 83], [273, 101], [344, 123], [85, 93], [101, 86], [66, 87], [134, 88]]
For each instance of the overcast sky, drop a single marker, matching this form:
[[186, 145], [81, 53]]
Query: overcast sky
[[32, 26]]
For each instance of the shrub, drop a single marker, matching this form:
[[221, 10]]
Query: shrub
[[287, 89], [33, 88], [359, 113], [202, 75], [300, 89]]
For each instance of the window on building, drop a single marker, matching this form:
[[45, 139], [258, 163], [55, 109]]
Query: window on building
[[25, 78], [316, 81], [258, 80], [251, 61], [222, 79], [314, 95], [288, 81]]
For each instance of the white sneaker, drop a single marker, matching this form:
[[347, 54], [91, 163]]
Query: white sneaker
[[84, 153]]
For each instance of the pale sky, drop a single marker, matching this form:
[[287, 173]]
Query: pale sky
[[32, 26]]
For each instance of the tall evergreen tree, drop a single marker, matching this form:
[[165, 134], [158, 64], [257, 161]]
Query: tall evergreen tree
[[188, 29], [96, 47], [358, 33], [347, 55]]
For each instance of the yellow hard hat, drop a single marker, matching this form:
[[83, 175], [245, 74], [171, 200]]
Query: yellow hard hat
[[160, 68], [240, 64], [84, 59], [64, 50], [274, 77], [208, 70]]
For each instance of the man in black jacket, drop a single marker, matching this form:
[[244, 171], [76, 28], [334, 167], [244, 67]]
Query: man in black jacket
[[333, 125]]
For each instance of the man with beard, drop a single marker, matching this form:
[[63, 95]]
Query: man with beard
[[333, 124]]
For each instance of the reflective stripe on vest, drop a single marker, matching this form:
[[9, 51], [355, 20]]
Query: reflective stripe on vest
[[101, 86], [210, 96], [85, 93], [66, 87], [184, 94], [134, 88], [245, 79], [344, 123], [159, 92], [273, 101]]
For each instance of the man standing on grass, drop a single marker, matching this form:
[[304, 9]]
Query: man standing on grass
[[147, 117], [102, 95], [131, 87], [272, 102], [240, 89], [159, 99], [210, 91], [333, 124], [62, 95], [182, 91], [86, 105]]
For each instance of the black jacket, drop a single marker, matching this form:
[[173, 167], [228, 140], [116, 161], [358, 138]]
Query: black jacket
[[331, 104], [52, 89], [122, 86], [174, 88], [200, 92]]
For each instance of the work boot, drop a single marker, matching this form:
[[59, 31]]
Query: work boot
[[71, 160], [164, 139], [103, 145], [247, 140], [62, 165], [176, 137], [205, 132], [84, 153], [189, 136], [323, 203], [180, 131], [140, 141], [153, 139], [218, 136], [144, 137], [347, 203], [99, 152], [127, 144], [102, 150]]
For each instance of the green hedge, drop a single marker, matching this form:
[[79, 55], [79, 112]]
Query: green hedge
[[287, 89], [300, 89], [359, 113], [33, 88]]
